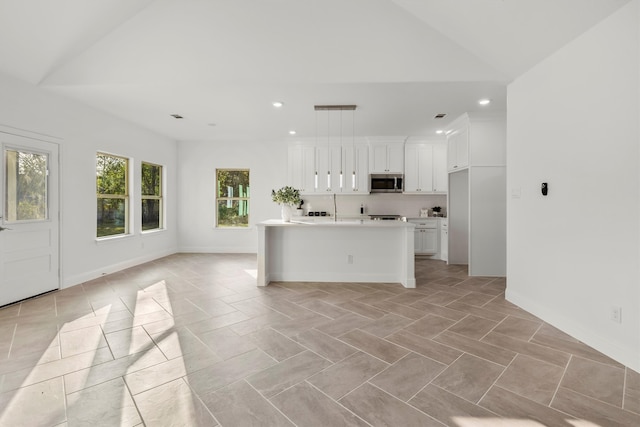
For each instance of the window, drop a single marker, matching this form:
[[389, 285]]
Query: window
[[151, 196], [26, 186], [232, 198], [112, 188]]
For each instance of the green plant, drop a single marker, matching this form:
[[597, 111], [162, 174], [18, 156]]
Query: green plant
[[286, 196]]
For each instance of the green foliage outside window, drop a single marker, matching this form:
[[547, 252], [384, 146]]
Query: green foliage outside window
[[26, 174], [112, 194], [151, 196], [232, 198]]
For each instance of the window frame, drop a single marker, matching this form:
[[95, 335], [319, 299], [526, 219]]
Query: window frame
[[125, 196], [218, 199], [160, 198]]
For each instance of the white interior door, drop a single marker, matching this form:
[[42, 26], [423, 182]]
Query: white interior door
[[29, 239]]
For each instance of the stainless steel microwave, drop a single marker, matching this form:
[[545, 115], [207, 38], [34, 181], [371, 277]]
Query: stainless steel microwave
[[386, 183]]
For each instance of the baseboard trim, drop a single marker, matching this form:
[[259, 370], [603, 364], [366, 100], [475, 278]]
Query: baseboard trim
[[77, 279], [623, 355], [217, 250]]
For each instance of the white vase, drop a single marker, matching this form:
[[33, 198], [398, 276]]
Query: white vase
[[286, 213]]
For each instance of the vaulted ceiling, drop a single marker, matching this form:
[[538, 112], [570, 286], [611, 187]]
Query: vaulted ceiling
[[221, 63]]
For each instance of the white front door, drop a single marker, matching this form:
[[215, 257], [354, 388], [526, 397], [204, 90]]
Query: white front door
[[29, 218]]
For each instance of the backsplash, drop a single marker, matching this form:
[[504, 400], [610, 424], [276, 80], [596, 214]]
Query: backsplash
[[375, 204]]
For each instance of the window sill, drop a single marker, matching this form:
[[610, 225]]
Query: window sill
[[110, 239], [154, 231], [250, 228]]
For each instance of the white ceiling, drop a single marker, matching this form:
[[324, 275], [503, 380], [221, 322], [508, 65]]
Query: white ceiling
[[224, 61]]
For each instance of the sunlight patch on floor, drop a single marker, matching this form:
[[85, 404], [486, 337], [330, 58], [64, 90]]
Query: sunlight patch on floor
[[583, 423], [495, 422]]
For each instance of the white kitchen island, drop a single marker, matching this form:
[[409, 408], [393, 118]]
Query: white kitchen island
[[340, 251]]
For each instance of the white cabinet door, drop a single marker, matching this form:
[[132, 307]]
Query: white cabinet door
[[395, 158], [426, 241], [411, 169], [452, 156], [425, 168], [294, 164], [308, 169], [387, 158], [458, 149], [462, 150], [302, 168], [418, 173], [329, 164], [379, 158], [430, 241], [29, 218], [440, 174], [356, 169]]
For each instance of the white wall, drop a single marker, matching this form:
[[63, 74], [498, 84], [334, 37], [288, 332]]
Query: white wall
[[573, 122], [198, 161], [82, 132]]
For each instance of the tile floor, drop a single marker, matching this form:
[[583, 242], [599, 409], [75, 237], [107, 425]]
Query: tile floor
[[190, 340]]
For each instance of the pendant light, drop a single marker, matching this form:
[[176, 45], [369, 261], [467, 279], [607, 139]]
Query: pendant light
[[315, 184], [340, 108], [353, 149], [328, 156], [341, 150]]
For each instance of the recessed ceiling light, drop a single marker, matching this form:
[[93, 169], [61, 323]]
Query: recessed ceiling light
[[277, 104], [484, 101], [211, 124], [177, 116], [439, 131], [292, 132]]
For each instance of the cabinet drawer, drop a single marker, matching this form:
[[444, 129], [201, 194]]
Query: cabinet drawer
[[424, 223]]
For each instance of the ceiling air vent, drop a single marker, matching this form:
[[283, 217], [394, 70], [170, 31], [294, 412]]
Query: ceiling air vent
[[177, 116], [440, 115]]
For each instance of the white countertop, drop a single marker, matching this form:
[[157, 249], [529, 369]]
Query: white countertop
[[329, 222]]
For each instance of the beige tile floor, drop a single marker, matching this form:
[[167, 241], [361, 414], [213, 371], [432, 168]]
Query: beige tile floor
[[190, 340]]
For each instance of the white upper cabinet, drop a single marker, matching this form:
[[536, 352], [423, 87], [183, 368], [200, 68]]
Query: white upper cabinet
[[458, 149], [418, 173], [440, 174], [302, 168], [356, 169], [329, 168], [425, 168], [386, 158], [329, 164], [476, 140]]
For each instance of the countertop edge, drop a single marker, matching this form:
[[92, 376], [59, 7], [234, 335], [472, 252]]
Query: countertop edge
[[348, 223]]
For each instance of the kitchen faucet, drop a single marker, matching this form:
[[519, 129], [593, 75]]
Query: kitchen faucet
[[335, 209]]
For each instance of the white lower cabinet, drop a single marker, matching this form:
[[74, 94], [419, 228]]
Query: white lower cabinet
[[426, 236], [426, 241]]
